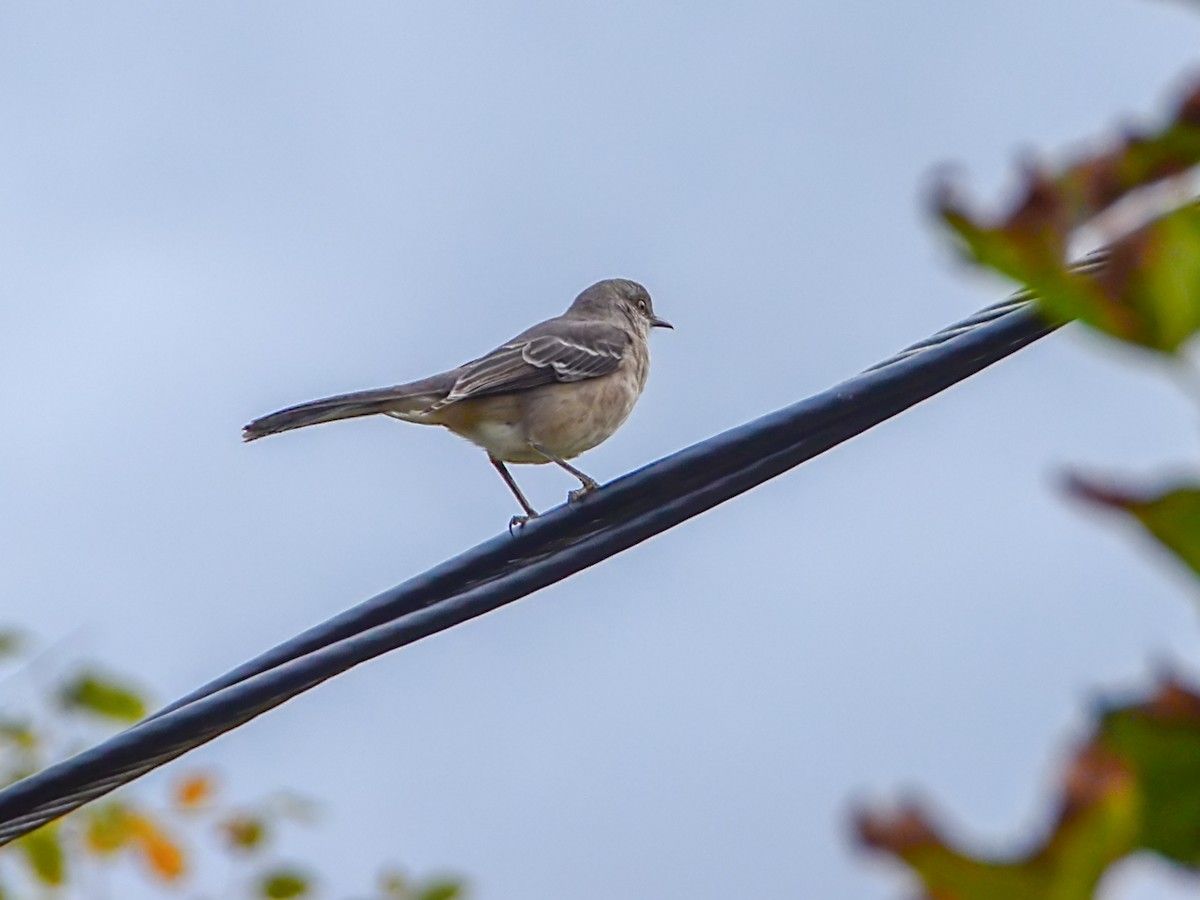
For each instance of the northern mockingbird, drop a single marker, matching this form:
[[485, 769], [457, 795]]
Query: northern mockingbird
[[546, 396]]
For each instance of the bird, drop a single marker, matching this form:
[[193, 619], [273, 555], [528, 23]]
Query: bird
[[551, 393]]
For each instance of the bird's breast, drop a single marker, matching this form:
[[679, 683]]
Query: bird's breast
[[571, 419], [566, 418]]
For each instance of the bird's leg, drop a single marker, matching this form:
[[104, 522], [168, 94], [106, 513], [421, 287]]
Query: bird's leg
[[530, 512], [589, 483]]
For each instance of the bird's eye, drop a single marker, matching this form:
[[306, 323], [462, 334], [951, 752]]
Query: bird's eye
[[642, 305]]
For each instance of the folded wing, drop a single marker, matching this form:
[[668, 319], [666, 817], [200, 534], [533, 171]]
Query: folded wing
[[559, 350]]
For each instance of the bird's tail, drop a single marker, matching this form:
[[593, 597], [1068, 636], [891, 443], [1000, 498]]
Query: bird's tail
[[404, 401]]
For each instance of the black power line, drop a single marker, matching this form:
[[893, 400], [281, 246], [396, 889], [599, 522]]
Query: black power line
[[512, 565]]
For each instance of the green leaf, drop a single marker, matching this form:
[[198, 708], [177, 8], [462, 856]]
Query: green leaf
[[1146, 293], [44, 854], [1133, 785], [18, 733], [1172, 516], [441, 890], [1160, 740], [1148, 290], [396, 886], [108, 827], [101, 696], [1163, 286], [12, 642], [245, 831], [283, 884], [1097, 825]]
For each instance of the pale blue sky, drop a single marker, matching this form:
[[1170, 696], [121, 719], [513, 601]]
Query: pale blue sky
[[208, 211]]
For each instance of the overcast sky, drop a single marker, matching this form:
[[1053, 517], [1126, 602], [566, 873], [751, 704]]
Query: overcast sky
[[211, 210]]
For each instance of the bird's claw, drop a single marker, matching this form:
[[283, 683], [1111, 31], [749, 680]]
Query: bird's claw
[[579, 493], [519, 522]]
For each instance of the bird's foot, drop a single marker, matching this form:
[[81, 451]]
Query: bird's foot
[[578, 494], [519, 521]]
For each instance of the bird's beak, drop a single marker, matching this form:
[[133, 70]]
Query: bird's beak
[[656, 322]]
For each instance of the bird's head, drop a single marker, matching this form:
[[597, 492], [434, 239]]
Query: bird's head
[[619, 298]]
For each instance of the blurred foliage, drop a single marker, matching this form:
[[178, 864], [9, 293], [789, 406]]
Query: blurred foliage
[[42, 850], [1148, 290], [176, 841], [1171, 516], [1133, 785], [395, 886], [11, 642], [94, 693], [284, 884]]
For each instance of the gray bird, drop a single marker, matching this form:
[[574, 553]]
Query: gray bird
[[551, 393]]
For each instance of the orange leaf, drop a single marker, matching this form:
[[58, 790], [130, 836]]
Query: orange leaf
[[162, 854], [195, 790]]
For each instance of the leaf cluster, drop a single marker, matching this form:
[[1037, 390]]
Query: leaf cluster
[[179, 839], [1133, 784]]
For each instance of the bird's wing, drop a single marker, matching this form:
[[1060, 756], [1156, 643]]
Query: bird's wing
[[558, 350]]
